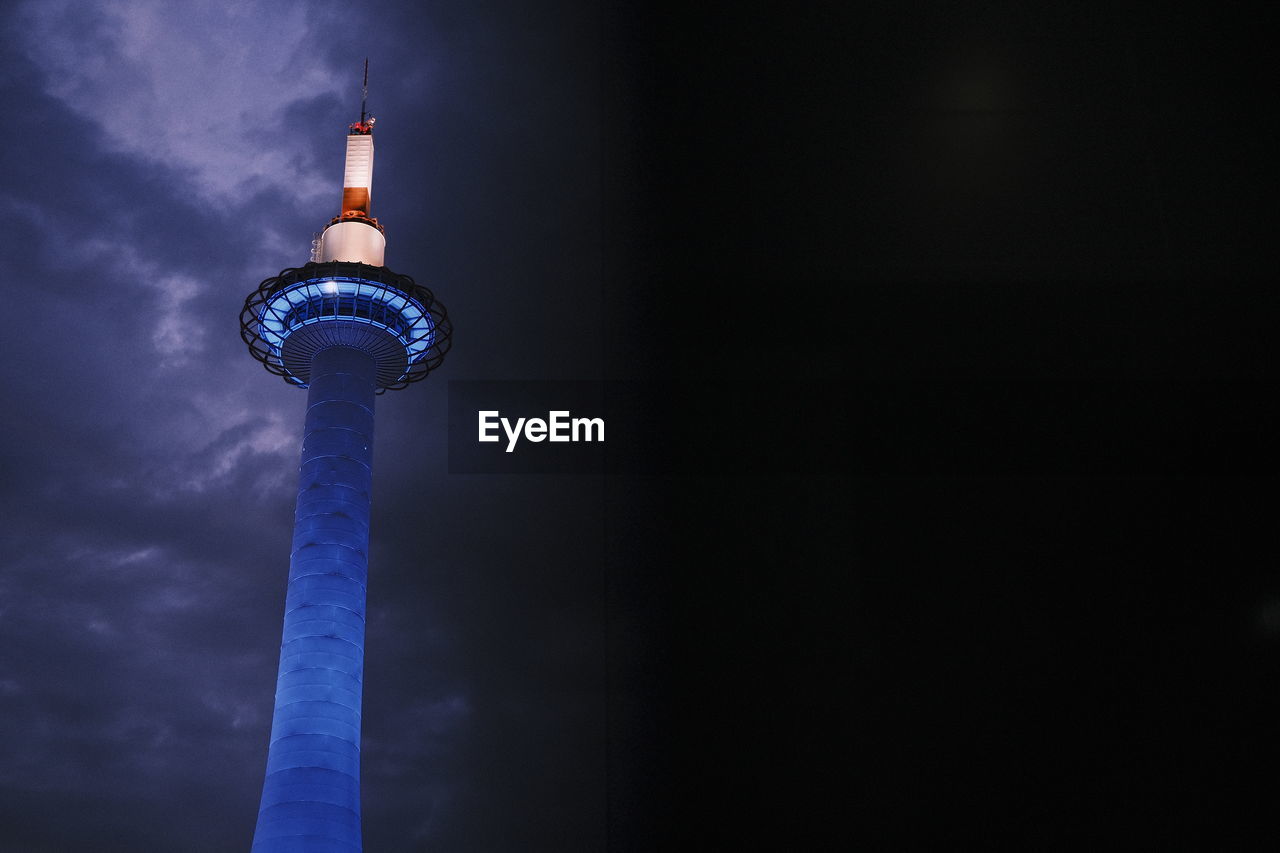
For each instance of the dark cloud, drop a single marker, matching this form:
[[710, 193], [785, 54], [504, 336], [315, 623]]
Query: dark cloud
[[173, 162]]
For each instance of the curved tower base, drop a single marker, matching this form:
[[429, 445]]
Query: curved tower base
[[311, 796]]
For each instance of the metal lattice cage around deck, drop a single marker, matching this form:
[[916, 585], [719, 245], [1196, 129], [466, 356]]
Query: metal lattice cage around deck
[[294, 315]]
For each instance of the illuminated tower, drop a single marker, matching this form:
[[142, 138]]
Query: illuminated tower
[[346, 328]]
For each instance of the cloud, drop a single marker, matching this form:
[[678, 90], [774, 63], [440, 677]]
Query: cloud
[[150, 465], [195, 88]]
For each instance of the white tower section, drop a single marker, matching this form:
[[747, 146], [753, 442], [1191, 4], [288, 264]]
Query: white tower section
[[355, 237], [359, 174]]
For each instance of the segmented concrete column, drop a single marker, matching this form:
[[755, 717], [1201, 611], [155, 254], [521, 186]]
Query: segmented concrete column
[[311, 797]]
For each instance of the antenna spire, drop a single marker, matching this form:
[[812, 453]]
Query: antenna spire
[[365, 124], [364, 90]]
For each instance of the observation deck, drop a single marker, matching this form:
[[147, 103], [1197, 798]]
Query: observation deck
[[303, 310]]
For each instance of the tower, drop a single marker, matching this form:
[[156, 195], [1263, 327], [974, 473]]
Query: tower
[[346, 328]]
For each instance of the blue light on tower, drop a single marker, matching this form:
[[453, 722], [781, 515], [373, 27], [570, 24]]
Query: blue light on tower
[[346, 328]]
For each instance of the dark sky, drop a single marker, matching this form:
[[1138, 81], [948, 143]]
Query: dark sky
[[953, 331]]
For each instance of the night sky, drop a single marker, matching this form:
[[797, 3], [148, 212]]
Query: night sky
[[953, 520]]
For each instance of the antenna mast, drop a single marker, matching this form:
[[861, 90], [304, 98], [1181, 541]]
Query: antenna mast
[[364, 90]]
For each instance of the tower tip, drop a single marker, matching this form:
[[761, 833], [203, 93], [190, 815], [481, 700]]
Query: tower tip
[[365, 124]]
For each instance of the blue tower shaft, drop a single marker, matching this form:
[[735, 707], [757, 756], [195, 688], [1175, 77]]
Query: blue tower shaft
[[311, 796]]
